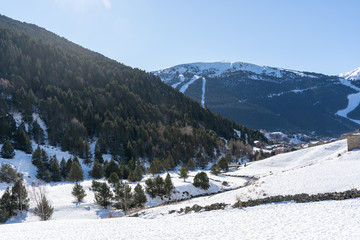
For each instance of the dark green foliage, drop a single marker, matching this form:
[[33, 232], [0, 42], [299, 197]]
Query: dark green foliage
[[95, 185], [168, 185], [155, 167], [39, 157], [76, 173], [22, 141], [184, 173], [8, 174], [43, 209], [55, 169], [7, 150], [63, 168], [37, 133], [68, 166], [169, 163], [98, 155], [4, 215], [103, 196], [78, 192], [97, 170], [8, 203], [201, 180], [113, 179], [83, 95], [20, 195], [155, 187], [112, 167], [139, 196], [215, 169], [123, 197], [201, 162], [191, 165], [223, 164]]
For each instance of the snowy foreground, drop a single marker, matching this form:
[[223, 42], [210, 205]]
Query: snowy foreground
[[325, 220], [326, 168]]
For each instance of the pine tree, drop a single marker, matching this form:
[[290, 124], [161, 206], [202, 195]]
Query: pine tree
[[113, 179], [155, 167], [103, 196], [55, 170], [183, 173], [223, 164], [169, 163], [36, 156], [98, 155], [43, 209], [139, 196], [78, 192], [123, 197], [76, 173], [112, 167], [168, 185], [20, 195], [97, 170], [150, 187], [7, 150], [159, 186], [22, 141], [191, 165], [201, 180], [215, 169], [37, 133], [8, 202], [87, 153], [68, 166], [63, 168]]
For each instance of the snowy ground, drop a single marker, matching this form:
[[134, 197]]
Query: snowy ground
[[326, 168], [325, 220]]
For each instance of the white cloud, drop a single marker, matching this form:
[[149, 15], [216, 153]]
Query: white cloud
[[107, 3]]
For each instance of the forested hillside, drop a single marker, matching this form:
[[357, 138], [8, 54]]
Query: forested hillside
[[82, 96]]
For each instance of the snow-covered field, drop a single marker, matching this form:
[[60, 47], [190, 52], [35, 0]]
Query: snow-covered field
[[326, 168]]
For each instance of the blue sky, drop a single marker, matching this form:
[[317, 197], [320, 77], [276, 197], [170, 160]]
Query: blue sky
[[317, 35]]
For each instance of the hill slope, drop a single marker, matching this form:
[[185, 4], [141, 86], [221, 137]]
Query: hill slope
[[83, 95], [266, 97]]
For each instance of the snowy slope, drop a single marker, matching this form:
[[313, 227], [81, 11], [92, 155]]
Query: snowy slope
[[325, 168], [213, 69], [352, 75]]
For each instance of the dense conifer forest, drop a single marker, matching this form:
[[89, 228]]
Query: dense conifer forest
[[83, 96]]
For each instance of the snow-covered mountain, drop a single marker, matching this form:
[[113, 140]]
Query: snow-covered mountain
[[352, 75], [271, 98]]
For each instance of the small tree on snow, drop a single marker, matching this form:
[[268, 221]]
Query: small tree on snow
[[139, 196], [123, 197], [78, 192], [183, 173], [201, 180], [103, 196], [43, 209], [7, 150]]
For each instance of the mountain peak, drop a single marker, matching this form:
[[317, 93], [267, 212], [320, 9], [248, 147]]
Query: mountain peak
[[214, 69], [352, 75]]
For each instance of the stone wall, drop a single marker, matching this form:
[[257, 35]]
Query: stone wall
[[353, 142]]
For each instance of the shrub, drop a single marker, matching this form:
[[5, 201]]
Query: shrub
[[201, 180], [78, 192], [8, 174], [7, 150]]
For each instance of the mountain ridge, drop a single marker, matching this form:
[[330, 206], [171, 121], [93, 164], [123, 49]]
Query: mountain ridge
[[247, 93]]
